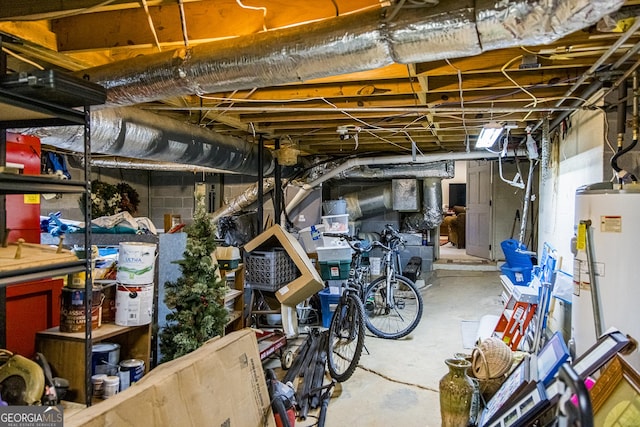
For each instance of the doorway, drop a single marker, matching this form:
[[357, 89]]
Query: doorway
[[457, 232]]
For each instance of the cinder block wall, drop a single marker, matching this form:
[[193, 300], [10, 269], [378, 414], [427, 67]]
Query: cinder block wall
[[68, 204], [171, 193], [160, 193]]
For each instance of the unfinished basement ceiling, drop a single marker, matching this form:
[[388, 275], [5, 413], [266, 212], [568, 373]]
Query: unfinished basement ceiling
[[431, 106]]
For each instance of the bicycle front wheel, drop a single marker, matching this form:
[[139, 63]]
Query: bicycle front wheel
[[396, 316], [346, 338]]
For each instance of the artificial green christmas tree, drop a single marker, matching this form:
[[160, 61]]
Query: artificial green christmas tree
[[196, 298]]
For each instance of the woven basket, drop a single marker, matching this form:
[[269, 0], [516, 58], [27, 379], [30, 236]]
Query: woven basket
[[492, 358], [490, 386]]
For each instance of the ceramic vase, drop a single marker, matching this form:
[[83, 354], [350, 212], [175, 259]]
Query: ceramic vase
[[456, 392]]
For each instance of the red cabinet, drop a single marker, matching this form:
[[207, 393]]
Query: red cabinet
[[23, 210], [31, 307]]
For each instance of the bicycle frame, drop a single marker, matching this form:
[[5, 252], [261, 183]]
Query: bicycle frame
[[391, 265], [391, 303]]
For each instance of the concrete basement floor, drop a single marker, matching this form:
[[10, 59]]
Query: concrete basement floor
[[397, 383]]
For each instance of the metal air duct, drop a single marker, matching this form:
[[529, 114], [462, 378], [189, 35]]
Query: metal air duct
[[139, 134], [369, 202], [443, 169], [248, 196], [431, 203], [345, 44], [139, 164]]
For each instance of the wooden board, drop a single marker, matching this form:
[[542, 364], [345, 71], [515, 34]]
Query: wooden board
[[33, 255]]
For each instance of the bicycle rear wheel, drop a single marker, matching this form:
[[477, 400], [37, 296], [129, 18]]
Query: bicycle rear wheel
[[397, 319], [346, 338]]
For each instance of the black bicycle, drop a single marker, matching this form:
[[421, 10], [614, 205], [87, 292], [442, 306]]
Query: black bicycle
[[346, 331], [393, 305]]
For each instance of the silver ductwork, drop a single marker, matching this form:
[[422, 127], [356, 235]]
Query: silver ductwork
[[244, 200], [345, 44], [431, 203], [443, 169], [368, 202], [379, 199], [139, 134], [138, 164]]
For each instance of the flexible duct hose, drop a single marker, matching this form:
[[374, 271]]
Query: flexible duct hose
[[621, 173]]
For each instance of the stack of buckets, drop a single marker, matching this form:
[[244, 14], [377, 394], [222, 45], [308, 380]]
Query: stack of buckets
[[134, 287], [72, 314]]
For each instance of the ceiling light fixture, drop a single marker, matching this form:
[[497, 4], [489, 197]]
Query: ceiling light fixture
[[488, 135]]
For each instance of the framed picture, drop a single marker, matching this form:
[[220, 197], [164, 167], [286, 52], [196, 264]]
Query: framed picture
[[600, 353], [524, 411], [615, 397], [518, 382]]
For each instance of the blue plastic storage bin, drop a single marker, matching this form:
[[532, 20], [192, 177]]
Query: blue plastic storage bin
[[513, 256], [519, 276], [328, 303]]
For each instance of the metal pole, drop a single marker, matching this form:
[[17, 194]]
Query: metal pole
[[260, 210], [525, 207], [88, 285], [4, 233], [595, 293], [277, 187]]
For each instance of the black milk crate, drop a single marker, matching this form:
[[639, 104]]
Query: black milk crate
[[269, 270]]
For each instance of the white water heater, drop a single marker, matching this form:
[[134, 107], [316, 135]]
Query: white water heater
[[614, 239]]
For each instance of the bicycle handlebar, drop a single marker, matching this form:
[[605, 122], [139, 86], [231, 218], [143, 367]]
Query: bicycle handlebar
[[392, 236]]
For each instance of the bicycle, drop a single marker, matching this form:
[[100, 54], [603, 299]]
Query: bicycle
[[346, 330], [392, 303]]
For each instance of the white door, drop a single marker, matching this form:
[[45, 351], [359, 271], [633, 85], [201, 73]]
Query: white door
[[478, 224]]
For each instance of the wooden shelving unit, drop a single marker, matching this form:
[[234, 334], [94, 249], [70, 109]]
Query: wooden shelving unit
[[234, 295], [64, 349]]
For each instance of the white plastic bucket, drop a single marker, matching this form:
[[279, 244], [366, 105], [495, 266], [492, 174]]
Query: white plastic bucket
[[110, 386], [136, 263], [134, 304]]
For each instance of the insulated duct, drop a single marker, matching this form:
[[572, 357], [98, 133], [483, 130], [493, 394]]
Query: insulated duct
[[249, 196], [443, 169], [368, 202], [139, 134], [345, 44], [138, 164], [431, 203], [386, 161]]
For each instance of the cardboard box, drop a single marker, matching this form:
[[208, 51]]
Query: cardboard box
[[309, 281], [220, 384]]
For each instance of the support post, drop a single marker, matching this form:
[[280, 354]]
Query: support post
[[277, 188], [260, 210]]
